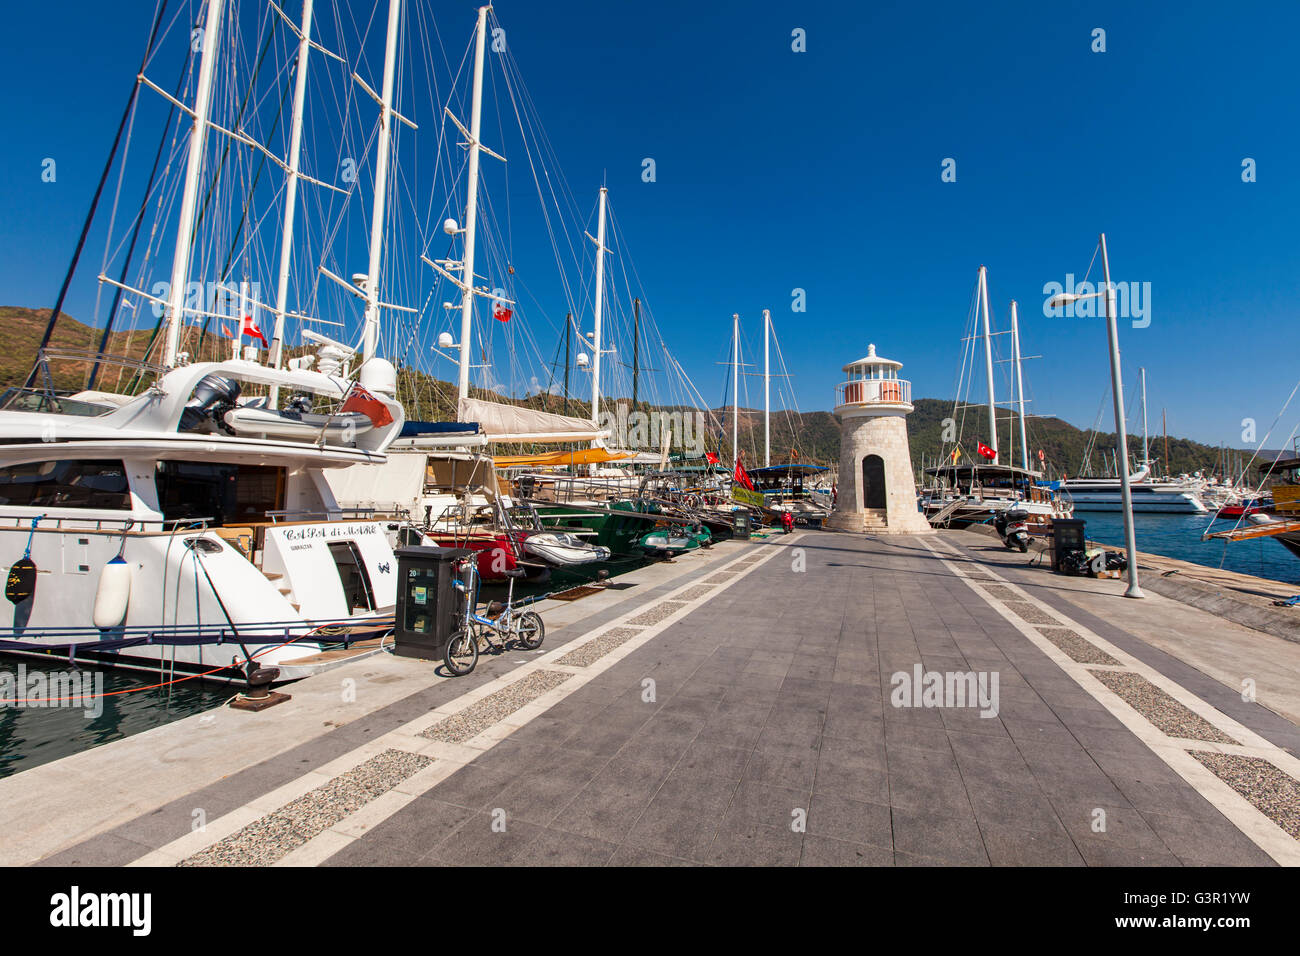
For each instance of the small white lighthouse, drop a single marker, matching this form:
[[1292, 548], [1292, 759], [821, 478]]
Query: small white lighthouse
[[876, 492]]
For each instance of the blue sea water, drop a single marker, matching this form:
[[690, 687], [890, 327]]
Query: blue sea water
[[1179, 536]]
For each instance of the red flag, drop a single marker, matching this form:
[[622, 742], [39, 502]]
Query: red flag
[[711, 458], [741, 477], [987, 452], [1040, 455], [249, 328], [500, 311], [359, 400]]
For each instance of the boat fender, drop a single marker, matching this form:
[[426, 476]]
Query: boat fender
[[21, 583], [113, 594]]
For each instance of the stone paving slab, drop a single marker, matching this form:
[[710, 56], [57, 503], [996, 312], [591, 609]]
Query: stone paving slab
[[772, 739]]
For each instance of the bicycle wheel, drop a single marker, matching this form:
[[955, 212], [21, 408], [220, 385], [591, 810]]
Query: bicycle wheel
[[531, 630], [462, 652]]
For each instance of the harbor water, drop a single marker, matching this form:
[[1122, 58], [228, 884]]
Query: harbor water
[[1179, 536], [34, 733]]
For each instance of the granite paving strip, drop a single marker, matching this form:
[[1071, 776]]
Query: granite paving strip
[[1157, 706], [273, 836], [1030, 612], [721, 577], [699, 591], [664, 609], [482, 714], [1076, 646], [1274, 793], [999, 591], [597, 648]]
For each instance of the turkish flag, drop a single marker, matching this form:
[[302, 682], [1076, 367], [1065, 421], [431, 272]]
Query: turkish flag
[[359, 400], [249, 327], [987, 452], [500, 311], [741, 477], [711, 458]]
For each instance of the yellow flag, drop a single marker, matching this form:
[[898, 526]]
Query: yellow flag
[[956, 453]]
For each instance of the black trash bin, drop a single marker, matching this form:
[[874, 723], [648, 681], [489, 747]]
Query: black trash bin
[[429, 608], [1067, 536], [742, 524]]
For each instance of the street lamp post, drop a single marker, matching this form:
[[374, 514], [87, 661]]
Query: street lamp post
[[1121, 433]]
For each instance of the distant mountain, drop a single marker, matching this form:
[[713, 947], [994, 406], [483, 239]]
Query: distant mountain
[[811, 436]]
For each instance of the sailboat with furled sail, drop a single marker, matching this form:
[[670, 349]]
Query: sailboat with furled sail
[[185, 523]]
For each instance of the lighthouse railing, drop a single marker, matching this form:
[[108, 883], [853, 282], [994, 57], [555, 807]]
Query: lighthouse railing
[[884, 391]]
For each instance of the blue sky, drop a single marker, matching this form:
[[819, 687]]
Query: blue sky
[[820, 170]]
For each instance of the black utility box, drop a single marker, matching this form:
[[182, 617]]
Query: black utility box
[[742, 524], [1067, 535], [429, 608]]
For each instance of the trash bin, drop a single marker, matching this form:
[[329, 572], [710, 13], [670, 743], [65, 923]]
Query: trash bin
[[742, 523], [429, 608], [1067, 536]]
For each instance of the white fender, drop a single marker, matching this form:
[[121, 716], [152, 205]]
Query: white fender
[[113, 594]]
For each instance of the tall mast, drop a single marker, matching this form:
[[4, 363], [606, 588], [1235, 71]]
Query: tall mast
[[189, 198], [1164, 427], [471, 209], [767, 389], [1144, 416], [599, 309], [636, 348], [370, 337], [1020, 385], [735, 385], [988, 363], [568, 337], [290, 194]]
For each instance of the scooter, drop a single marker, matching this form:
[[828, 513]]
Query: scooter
[[1012, 527], [787, 522]]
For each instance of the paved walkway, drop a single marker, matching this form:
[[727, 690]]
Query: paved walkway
[[746, 716]]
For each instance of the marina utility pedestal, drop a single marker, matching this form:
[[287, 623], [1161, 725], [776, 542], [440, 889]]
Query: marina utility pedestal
[[876, 492]]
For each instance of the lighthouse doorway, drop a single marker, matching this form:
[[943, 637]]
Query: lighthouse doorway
[[873, 482]]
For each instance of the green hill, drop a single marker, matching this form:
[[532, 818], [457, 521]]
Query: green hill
[[812, 436]]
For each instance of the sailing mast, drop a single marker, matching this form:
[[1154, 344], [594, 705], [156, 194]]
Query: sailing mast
[[599, 308], [370, 335], [190, 196], [735, 386], [471, 209], [767, 389], [636, 347], [1145, 457], [290, 195], [988, 364], [1020, 385]]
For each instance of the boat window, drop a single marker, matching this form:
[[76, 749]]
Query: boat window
[[224, 494], [353, 575], [92, 483]]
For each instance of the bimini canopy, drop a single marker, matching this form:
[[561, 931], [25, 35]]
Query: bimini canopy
[[512, 423], [558, 459]]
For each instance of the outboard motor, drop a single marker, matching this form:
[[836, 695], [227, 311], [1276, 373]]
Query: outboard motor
[[213, 397]]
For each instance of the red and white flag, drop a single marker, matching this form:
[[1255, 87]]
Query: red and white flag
[[500, 311], [249, 327], [987, 452], [359, 400], [741, 477], [711, 458]]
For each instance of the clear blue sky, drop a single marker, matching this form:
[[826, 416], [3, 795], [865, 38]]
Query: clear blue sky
[[821, 170]]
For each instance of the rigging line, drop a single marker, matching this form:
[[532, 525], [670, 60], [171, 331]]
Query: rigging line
[[94, 202], [198, 222]]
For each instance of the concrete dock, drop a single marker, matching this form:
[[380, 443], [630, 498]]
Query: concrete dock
[[741, 706]]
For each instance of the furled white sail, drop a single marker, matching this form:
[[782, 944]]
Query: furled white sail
[[505, 423]]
